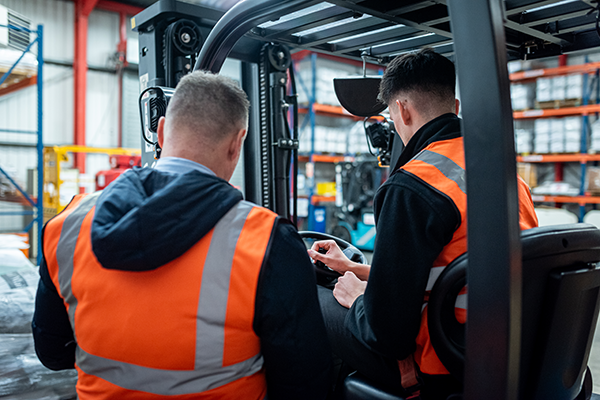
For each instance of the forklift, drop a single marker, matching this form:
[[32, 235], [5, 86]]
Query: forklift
[[534, 296]]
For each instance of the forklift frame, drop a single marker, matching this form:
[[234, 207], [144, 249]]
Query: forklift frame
[[481, 36]]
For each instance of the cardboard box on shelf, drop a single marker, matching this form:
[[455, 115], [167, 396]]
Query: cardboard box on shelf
[[593, 180], [528, 172]]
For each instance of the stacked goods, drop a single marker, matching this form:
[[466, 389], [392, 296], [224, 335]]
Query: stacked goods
[[574, 86], [543, 90], [541, 141], [559, 91], [524, 141], [324, 73], [522, 96], [559, 88], [557, 135], [594, 145], [572, 134], [357, 139], [327, 139]]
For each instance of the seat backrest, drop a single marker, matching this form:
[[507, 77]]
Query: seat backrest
[[560, 304]]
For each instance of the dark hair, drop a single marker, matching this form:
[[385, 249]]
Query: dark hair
[[424, 71], [209, 102]]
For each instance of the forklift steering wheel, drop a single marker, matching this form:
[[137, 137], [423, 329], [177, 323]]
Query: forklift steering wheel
[[348, 249]]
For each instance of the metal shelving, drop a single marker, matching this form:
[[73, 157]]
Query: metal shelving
[[37, 202], [584, 111]]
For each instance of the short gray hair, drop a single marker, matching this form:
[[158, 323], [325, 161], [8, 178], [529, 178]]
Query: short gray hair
[[210, 103]]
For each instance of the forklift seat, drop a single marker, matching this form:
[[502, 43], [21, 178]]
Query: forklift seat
[[560, 303]]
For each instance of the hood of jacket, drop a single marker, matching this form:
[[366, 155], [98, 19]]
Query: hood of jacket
[[147, 217]]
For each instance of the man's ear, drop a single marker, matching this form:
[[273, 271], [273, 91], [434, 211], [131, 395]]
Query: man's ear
[[160, 131], [404, 112], [457, 105], [235, 145]]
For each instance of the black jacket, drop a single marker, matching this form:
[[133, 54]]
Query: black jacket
[[414, 223], [147, 218]]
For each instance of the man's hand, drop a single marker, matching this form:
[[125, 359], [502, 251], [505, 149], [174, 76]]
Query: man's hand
[[348, 288], [334, 258]]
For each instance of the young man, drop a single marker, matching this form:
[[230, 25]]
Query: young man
[[168, 285], [420, 214]]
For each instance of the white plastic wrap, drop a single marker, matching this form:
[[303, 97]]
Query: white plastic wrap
[[22, 376]]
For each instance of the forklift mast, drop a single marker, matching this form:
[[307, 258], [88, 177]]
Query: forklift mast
[[171, 35]]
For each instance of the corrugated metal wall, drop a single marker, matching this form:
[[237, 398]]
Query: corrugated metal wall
[[18, 110]]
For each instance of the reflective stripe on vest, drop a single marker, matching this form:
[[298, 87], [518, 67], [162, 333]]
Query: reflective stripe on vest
[[446, 166], [66, 248], [216, 365]]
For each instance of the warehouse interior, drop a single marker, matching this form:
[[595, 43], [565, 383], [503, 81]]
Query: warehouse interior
[[70, 124]]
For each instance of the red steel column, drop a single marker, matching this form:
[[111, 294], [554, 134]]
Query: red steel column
[[122, 63], [83, 8]]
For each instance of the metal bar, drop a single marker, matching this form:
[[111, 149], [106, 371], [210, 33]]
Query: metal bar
[[117, 7], [438, 21], [9, 144], [584, 150], [17, 28], [535, 33], [18, 131], [529, 6], [87, 6], [79, 83], [12, 213], [311, 103], [29, 226], [236, 22], [16, 185], [40, 143], [18, 85], [311, 110], [493, 344], [7, 74], [122, 50], [412, 7], [583, 27], [399, 20], [252, 148], [553, 18]]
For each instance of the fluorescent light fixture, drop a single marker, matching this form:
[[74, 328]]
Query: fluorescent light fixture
[[330, 25], [389, 28], [297, 14]]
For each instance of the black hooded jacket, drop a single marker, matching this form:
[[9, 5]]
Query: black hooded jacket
[[149, 217], [414, 223]]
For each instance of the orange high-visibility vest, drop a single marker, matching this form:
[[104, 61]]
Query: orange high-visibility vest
[[442, 166], [181, 331]]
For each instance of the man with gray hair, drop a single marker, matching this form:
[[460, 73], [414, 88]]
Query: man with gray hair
[[169, 285]]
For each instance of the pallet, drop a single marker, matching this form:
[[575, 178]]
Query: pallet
[[552, 104]]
